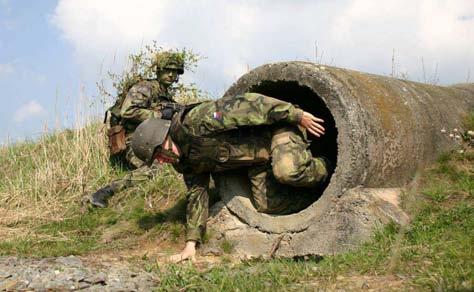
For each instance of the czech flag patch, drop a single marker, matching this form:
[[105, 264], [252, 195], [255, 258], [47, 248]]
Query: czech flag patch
[[217, 116]]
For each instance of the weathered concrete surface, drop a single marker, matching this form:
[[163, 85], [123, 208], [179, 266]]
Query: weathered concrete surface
[[380, 131]]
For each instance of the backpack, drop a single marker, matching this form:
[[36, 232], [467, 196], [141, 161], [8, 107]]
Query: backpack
[[113, 121]]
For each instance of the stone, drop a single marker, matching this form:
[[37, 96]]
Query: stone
[[69, 261], [64, 273]]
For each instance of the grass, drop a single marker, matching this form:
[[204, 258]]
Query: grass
[[44, 190], [433, 253], [45, 184]]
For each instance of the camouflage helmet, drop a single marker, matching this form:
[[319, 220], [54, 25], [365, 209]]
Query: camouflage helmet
[[148, 136], [169, 60]]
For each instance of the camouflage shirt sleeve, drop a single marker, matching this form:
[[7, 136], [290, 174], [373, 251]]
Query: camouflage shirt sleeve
[[231, 112], [137, 104], [197, 209]]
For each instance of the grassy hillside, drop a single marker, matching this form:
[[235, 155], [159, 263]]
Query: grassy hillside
[[44, 190], [45, 185]]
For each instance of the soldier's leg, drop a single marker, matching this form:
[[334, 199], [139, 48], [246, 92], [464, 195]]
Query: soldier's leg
[[268, 196], [139, 174], [292, 161]]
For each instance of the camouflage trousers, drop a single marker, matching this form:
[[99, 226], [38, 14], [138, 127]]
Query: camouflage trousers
[[281, 186], [278, 187], [140, 172]]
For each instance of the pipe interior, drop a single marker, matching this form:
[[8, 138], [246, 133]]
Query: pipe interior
[[308, 100]]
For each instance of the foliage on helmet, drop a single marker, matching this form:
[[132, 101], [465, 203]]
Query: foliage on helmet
[[169, 60], [146, 64], [143, 66]]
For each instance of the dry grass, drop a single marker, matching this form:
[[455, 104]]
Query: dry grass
[[45, 186], [42, 180], [44, 197]]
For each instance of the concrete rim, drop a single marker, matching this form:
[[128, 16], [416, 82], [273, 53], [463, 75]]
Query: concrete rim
[[320, 80]]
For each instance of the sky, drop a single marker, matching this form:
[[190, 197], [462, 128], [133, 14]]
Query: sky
[[53, 53]]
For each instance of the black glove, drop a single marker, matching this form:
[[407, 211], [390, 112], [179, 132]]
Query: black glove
[[167, 113]]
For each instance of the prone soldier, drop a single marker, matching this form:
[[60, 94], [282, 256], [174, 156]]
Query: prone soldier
[[263, 136], [149, 98]]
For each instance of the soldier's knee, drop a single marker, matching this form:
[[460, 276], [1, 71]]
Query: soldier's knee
[[284, 170]]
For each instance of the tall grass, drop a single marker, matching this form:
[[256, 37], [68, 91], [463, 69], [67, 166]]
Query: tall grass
[[46, 185], [41, 180]]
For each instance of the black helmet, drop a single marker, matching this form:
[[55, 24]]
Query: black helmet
[[148, 136]]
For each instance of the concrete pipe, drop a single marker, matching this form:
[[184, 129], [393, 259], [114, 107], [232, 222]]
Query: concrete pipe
[[380, 131]]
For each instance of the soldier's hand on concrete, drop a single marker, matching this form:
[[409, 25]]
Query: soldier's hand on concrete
[[312, 124]]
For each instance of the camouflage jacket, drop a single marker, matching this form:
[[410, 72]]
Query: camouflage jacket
[[228, 133], [144, 100]]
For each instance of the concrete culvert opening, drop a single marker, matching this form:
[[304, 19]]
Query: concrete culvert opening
[[379, 132], [308, 100]]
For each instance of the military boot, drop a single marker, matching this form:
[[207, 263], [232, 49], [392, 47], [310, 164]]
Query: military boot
[[100, 198]]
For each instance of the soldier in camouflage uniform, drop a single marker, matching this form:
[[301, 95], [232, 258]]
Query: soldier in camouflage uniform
[[263, 136], [146, 99]]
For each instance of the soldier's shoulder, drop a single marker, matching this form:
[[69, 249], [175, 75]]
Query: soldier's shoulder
[[149, 82], [145, 87], [254, 95]]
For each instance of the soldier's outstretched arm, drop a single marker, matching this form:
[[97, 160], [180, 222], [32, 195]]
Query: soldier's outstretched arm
[[250, 109], [196, 213], [269, 110], [253, 109], [197, 205]]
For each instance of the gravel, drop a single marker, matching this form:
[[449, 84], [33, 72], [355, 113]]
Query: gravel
[[70, 273]]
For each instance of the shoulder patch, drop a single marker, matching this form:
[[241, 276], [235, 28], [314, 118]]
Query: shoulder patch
[[217, 116]]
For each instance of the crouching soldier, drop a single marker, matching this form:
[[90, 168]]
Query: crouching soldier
[[149, 98], [263, 136]]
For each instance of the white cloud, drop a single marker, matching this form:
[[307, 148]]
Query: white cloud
[[109, 26], [432, 30], [358, 34], [29, 110], [451, 35]]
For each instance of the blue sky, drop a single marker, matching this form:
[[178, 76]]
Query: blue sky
[[39, 78], [52, 53]]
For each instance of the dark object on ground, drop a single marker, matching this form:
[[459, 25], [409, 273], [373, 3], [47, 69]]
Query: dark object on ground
[[100, 198], [379, 132]]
